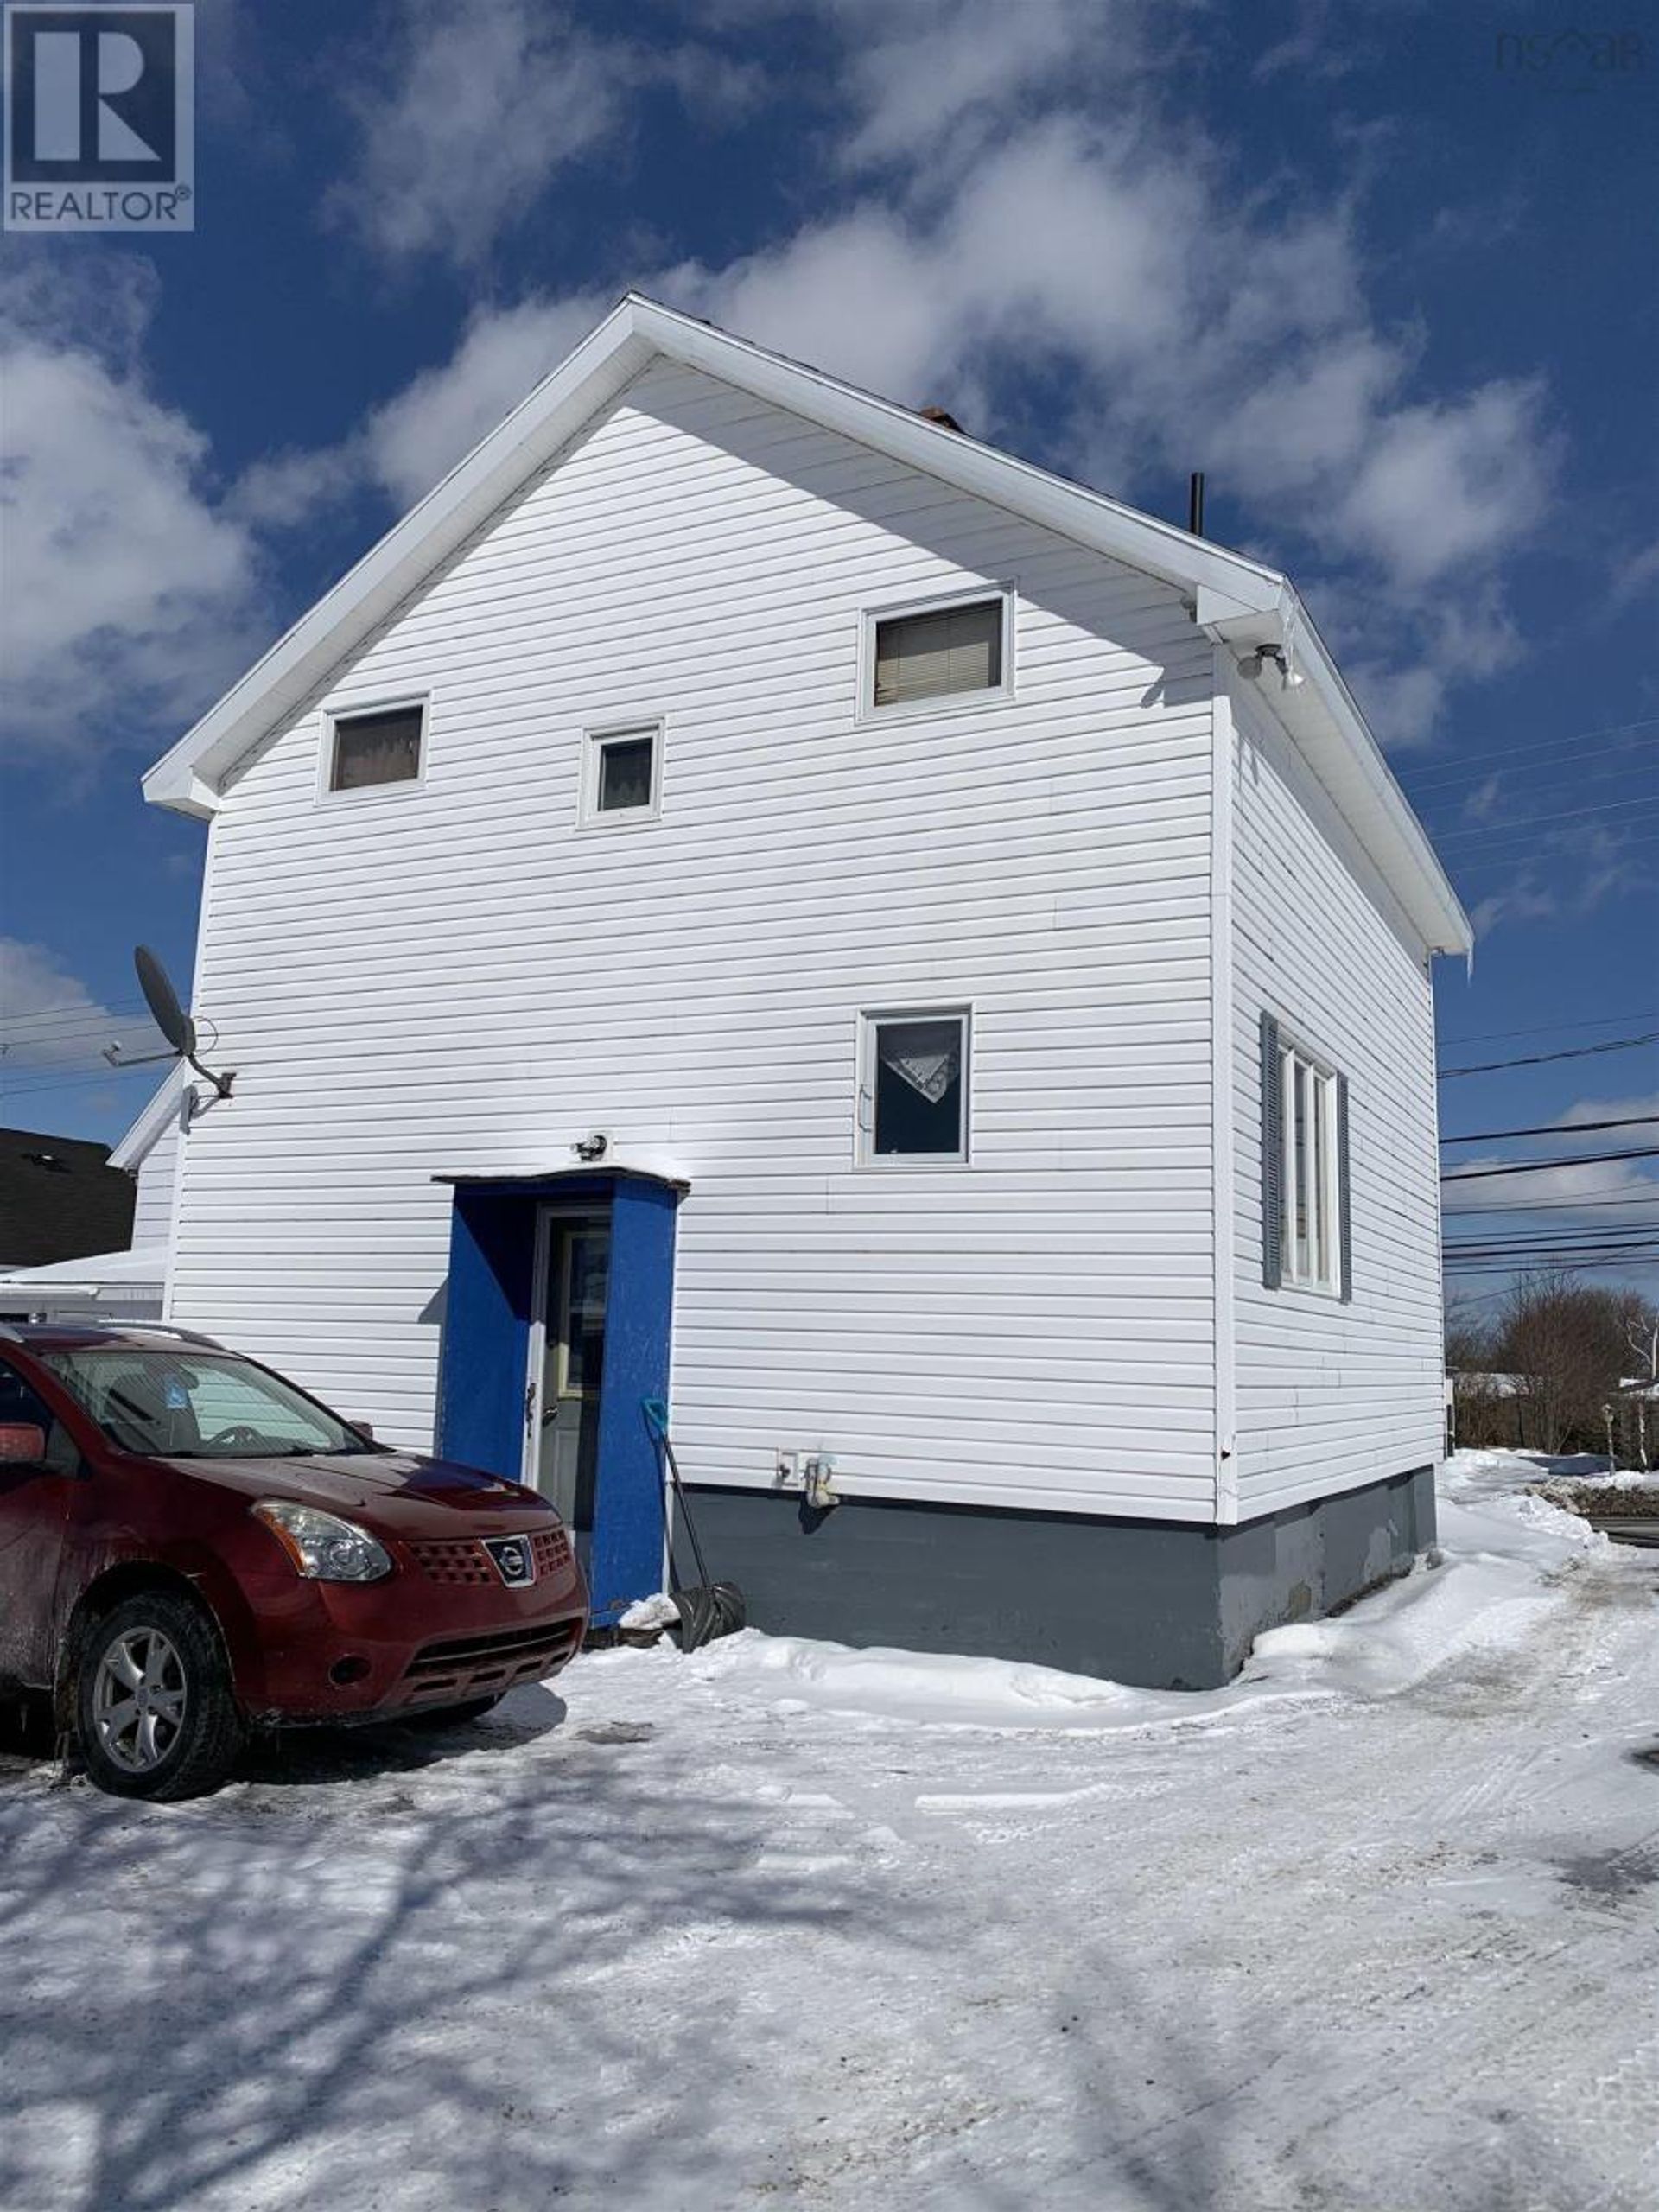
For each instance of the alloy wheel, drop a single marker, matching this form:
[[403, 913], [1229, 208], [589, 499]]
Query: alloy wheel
[[138, 1700]]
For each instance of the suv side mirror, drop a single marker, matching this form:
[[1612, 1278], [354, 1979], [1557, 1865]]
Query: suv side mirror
[[365, 1428], [23, 1443]]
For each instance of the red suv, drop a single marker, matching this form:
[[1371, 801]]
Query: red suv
[[190, 1547]]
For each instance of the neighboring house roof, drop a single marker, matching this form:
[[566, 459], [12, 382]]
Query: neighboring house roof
[[1488, 1386], [1239, 601], [60, 1198], [141, 1267]]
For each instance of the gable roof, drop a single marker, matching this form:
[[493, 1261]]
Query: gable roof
[[1239, 601], [60, 1198]]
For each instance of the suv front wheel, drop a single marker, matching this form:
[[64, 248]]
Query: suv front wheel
[[153, 1709]]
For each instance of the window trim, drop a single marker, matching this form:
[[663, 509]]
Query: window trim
[[1327, 1226], [947, 702], [870, 1021], [595, 738], [340, 710]]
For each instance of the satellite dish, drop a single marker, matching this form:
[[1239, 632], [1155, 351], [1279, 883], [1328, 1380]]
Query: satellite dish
[[175, 1024], [162, 1000]]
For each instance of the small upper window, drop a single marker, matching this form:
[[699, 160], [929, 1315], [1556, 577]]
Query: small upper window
[[621, 773], [933, 655], [914, 1087], [381, 746]]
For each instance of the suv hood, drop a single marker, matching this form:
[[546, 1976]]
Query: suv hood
[[394, 1491]]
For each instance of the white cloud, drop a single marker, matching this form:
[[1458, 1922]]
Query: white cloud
[[50, 1023], [128, 589], [1636, 575], [482, 102], [1178, 312], [479, 107], [417, 437]]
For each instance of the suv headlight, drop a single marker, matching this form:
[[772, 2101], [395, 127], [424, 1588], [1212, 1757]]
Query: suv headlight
[[323, 1548]]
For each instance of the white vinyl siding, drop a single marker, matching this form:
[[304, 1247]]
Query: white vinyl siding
[[467, 985], [1330, 1394], [152, 1215]]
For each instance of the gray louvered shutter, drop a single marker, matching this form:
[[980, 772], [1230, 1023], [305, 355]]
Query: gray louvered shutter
[[1273, 1157], [1344, 1226]]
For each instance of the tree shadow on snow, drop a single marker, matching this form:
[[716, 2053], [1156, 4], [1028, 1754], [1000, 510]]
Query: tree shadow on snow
[[404, 1994]]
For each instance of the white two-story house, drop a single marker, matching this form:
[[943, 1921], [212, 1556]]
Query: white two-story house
[[750, 898]]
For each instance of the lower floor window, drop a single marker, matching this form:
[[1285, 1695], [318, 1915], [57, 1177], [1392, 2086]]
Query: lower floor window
[[913, 1087], [1311, 1231]]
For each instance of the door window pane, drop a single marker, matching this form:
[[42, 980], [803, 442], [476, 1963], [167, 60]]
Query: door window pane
[[587, 1282]]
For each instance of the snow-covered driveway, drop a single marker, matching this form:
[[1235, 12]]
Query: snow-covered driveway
[[1378, 1927]]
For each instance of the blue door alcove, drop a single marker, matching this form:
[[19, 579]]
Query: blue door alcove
[[484, 1370]]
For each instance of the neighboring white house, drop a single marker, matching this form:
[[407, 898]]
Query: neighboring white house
[[750, 897]]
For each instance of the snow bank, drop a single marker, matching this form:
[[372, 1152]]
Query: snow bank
[[1502, 1556]]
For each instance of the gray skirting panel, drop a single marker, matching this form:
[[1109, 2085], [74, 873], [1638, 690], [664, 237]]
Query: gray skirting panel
[[1165, 1603]]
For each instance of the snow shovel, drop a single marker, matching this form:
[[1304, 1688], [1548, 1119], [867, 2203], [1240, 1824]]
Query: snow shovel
[[706, 1609]]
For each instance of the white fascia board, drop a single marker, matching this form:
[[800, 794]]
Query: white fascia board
[[154, 1123], [185, 778], [1359, 777], [1072, 510], [1323, 721]]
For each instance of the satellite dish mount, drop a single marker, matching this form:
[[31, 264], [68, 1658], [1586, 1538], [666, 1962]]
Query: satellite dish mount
[[175, 1024]]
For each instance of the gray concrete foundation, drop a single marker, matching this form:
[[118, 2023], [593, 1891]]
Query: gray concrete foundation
[[1170, 1605]]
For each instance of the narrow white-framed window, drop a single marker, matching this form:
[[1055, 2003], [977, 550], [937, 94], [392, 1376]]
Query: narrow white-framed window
[[915, 1068], [373, 748], [1311, 1225], [621, 774], [933, 655]]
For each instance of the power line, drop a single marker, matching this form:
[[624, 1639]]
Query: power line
[[1548, 1028], [1554, 1129], [1539, 1060], [1467, 814], [87, 1007], [1575, 841], [9, 1091], [1612, 1240], [1495, 832], [1545, 1206], [1625, 758], [1565, 1266], [1533, 1167], [1507, 752]]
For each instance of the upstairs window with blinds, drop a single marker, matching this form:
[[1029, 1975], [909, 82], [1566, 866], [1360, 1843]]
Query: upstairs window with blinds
[[381, 746], [939, 653]]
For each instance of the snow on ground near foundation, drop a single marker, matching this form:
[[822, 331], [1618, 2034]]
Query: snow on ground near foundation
[[1376, 1927]]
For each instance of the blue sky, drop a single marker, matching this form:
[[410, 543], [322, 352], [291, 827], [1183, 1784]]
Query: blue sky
[[1387, 279]]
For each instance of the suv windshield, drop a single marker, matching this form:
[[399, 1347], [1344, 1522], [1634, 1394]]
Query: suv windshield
[[176, 1405]]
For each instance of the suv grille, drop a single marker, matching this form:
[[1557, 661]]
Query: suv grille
[[468, 1665], [464, 1560]]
